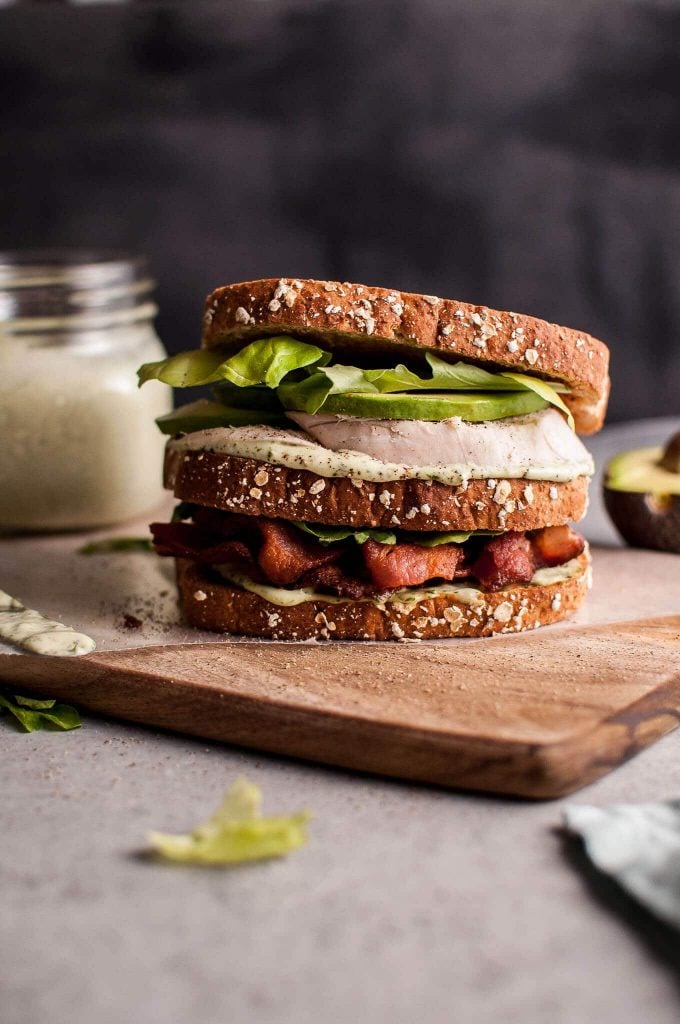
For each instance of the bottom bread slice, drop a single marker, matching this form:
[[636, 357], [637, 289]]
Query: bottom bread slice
[[418, 613]]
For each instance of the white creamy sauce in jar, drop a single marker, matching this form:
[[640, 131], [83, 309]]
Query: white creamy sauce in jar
[[30, 630], [80, 447]]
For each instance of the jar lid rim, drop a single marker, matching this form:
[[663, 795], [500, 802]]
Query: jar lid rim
[[83, 268]]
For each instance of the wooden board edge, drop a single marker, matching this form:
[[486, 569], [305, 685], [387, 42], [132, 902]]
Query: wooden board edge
[[534, 771]]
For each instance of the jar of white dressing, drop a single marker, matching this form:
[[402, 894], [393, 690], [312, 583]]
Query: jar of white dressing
[[78, 444]]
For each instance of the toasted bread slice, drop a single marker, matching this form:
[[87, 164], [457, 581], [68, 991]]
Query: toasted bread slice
[[213, 604], [263, 489], [378, 324]]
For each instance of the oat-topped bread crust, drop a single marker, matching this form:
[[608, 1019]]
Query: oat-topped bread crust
[[262, 489], [374, 323], [213, 604]]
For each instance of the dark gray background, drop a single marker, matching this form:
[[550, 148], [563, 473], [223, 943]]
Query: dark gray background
[[523, 154]]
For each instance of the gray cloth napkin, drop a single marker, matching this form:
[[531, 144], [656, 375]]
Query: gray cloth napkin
[[638, 845]]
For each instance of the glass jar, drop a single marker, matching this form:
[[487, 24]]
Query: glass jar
[[79, 447]]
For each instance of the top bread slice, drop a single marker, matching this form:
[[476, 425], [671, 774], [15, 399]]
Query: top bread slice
[[370, 324]]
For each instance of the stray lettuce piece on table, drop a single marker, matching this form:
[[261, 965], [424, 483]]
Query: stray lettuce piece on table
[[33, 714], [235, 833], [112, 544]]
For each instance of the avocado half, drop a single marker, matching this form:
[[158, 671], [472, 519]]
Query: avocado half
[[642, 496]]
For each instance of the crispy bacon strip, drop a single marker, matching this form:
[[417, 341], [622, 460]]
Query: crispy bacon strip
[[333, 579], [556, 545], [286, 554], [505, 559], [405, 565], [276, 551], [182, 540]]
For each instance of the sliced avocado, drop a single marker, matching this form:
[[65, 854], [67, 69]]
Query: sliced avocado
[[642, 496], [640, 472], [472, 406], [204, 414]]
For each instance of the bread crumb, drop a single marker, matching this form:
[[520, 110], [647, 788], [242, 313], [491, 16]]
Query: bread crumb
[[200, 595]]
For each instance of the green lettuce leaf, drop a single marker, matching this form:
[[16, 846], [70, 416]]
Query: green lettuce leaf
[[235, 833], [333, 534], [278, 363], [33, 714], [113, 544], [545, 391], [269, 360], [309, 395], [185, 370], [266, 361], [449, 377], [433, 540]]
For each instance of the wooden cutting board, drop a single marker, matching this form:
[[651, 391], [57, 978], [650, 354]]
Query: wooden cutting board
[[535, 715]]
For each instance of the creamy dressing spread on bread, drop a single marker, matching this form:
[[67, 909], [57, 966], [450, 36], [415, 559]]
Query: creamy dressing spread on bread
[[27, 628], [462, 592], [539, 446]]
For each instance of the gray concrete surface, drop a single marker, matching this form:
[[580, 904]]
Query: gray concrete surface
[[408, 906]]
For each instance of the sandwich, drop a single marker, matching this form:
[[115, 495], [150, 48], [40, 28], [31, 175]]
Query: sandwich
[[378, 465]]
